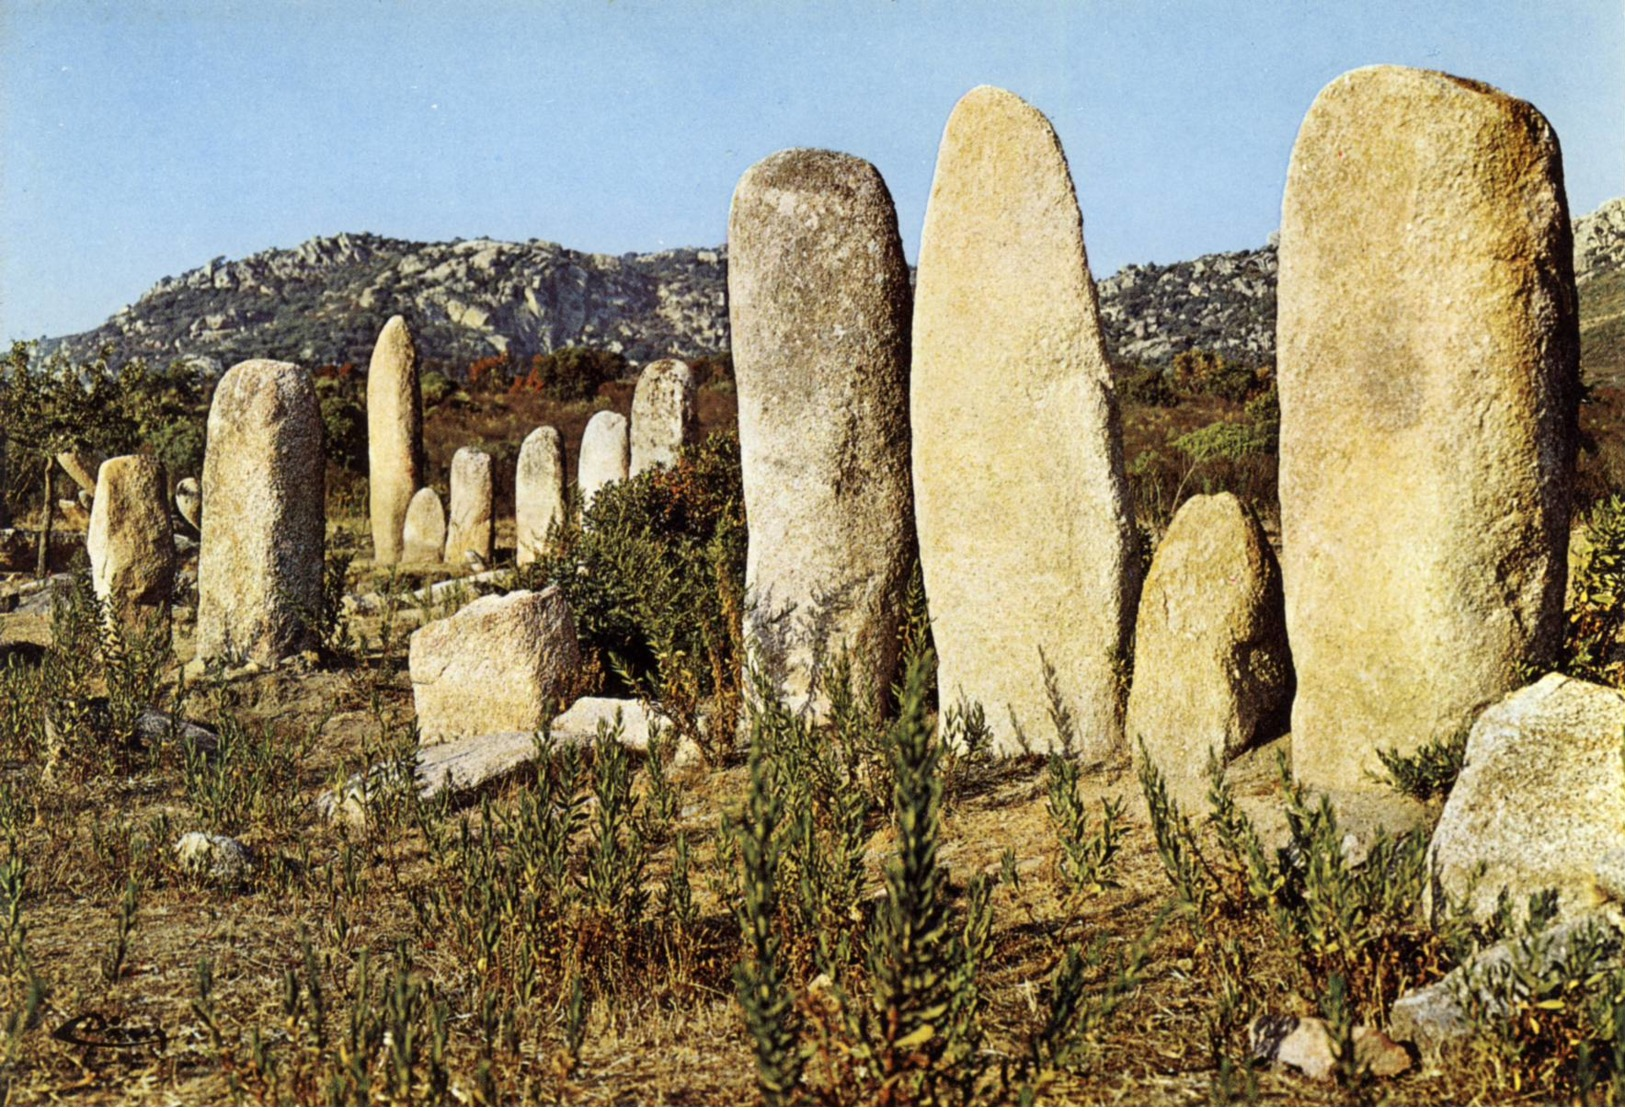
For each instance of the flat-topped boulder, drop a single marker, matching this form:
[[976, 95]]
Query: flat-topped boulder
[[494, 666]]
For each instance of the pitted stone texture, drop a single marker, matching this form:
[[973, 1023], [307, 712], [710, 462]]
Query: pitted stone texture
[[131, 541], [189, 501], [394, 436], [1428, 362], [493, 666], [1026, 532], [538, 491], [470, 526], [663, 415], [423, 537], [604, 454], [1212, 672], [818, 298], [260, 560], [1540, 802]]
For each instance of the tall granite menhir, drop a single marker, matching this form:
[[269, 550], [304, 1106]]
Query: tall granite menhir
[[1428, 359], [603, 455], [819, 305], [394, 436], [260, 559], [1026, 534]]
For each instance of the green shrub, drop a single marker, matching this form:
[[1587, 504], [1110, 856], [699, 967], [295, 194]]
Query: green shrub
[[1197, 372], [436, 388], [575, 373], [1145, 385], [654, 573], [1427, 773], [1591, 647], [344, 421]]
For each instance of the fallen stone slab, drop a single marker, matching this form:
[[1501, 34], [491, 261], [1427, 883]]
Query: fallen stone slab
[[468, 765], [1431, 1016], [373, 602]]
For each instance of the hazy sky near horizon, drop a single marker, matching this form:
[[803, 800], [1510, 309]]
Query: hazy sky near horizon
[[140, 138]]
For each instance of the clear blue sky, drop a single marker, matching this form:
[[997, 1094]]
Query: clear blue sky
[[143, 138]]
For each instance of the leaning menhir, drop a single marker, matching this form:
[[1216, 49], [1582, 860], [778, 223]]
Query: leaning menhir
[[260, 559], [131, 541], [538, 492], [470, 525], [818, 298], [1026, 533], [394, 436], [663, 415], [1428, 360]]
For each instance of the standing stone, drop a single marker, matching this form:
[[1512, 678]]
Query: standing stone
[[394, 436], [1026, 533], [189, 501], [260, 559], [81, 466], [603, 454], [819, 300], [424, 534], [1212, 672], [538, 491], [132, 542], [494, 666], [663, 416], [469, 524], [1428, 359]]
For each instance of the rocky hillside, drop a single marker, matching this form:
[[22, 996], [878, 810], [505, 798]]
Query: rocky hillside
[[324, 301]]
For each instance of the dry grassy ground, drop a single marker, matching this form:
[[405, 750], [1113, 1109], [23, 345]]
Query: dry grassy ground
[[661, 1024]]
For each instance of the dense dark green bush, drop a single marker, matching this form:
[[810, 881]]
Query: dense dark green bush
[[1145, 385], [341, 393], [574, 373], [655, 573]]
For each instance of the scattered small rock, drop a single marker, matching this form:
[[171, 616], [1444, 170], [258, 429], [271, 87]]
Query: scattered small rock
[[1306, 1044], [214, 856]]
